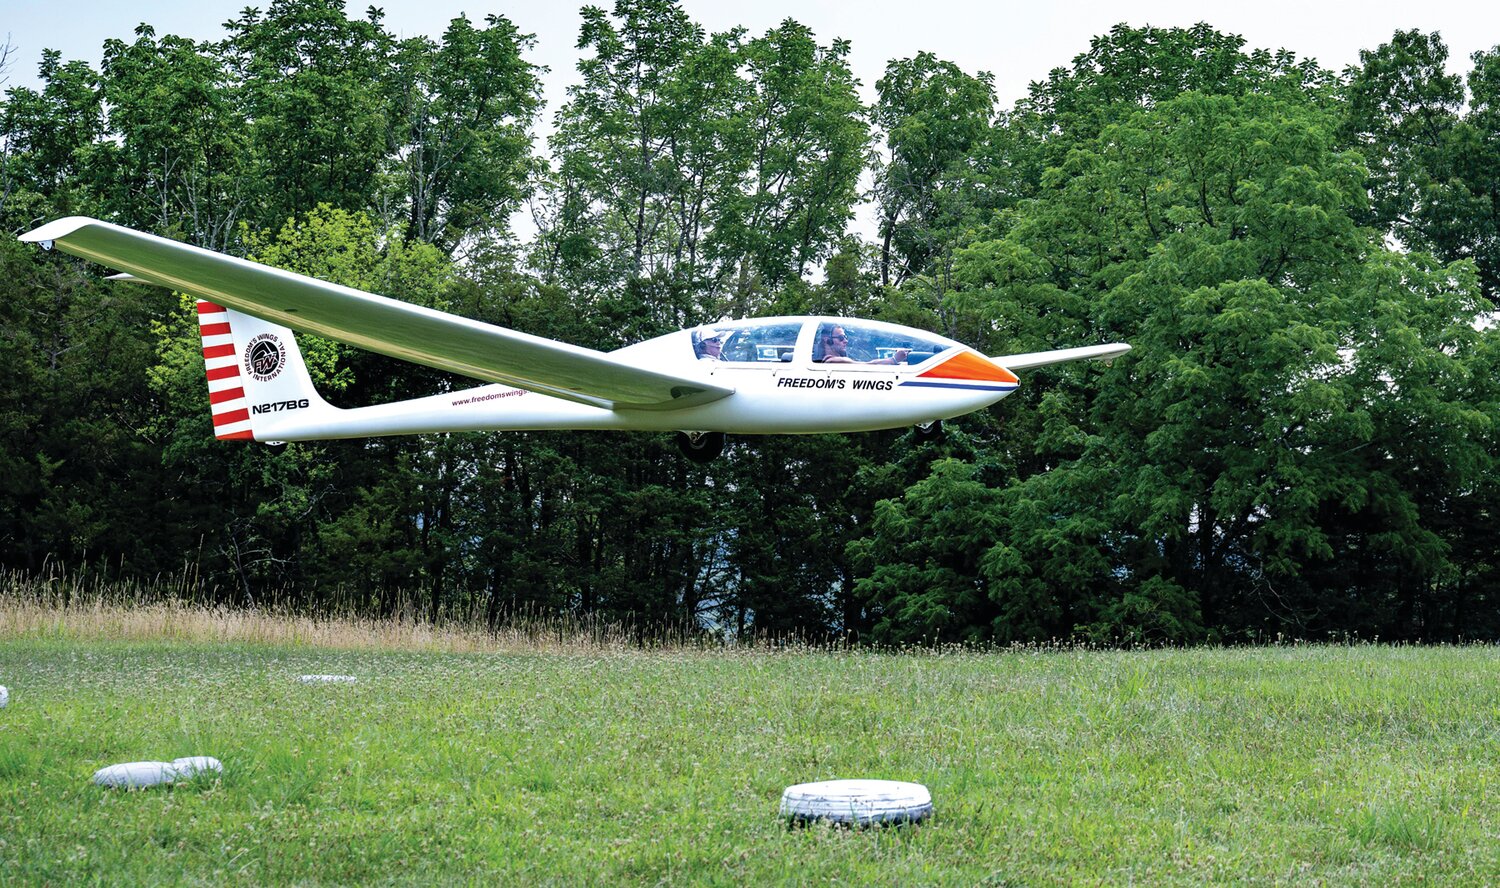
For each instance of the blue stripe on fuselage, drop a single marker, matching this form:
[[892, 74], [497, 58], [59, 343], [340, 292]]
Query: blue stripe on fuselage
[[965, 385]]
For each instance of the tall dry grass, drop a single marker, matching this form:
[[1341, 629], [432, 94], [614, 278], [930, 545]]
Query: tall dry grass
[[60, 605]]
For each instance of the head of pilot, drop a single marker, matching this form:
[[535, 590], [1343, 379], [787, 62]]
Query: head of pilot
[[712, 342], [835, 342]]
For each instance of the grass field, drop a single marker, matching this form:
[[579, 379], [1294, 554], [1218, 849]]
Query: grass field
[[581, 761]]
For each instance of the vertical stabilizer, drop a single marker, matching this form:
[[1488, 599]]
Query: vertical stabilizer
[[256, 376]]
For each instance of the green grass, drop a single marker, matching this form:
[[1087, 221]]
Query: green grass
[[1341, 765]]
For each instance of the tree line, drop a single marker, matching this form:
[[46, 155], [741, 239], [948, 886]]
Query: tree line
[[1302, 443]]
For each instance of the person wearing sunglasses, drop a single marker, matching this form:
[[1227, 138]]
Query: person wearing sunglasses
[[710, 345], [836, 349]]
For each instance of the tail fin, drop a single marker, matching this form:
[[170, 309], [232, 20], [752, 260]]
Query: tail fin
[[257, 379]]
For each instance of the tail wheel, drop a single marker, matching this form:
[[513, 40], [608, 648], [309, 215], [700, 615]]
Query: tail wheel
[[701, 447], [930, 432]]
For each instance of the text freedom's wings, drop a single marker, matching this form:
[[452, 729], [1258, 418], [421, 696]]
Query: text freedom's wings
[[388, 326]]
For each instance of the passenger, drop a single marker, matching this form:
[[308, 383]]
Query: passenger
[[836, 349], [710, 345]]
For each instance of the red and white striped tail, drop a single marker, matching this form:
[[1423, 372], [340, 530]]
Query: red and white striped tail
[[226, 391]]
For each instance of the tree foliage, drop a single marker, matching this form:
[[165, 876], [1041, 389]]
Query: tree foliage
[[723, 164], [1302, 441], [460, 146], [933, 116], [1431, 148], [1210, 483]]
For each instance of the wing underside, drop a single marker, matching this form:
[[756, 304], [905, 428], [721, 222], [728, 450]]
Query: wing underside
[[379, 324]]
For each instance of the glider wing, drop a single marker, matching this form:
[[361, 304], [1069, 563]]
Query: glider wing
[[379, 324], [1041, 359]]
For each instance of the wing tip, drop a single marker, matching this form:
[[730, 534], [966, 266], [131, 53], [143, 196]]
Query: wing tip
[[127, 278], [57, 229], [1106, 353]]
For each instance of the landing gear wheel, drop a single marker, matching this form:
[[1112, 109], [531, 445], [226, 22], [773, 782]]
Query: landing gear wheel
[[929, 432], [701, 447]]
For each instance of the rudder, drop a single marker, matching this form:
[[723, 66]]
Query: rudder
[[257, 379]]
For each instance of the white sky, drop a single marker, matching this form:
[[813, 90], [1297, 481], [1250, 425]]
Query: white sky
[[1017, 42]]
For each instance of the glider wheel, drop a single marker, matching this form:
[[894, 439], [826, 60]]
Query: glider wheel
[[929, 432], [700, 447]]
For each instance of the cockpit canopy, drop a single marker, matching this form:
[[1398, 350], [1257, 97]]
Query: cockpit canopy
[[815, 340]]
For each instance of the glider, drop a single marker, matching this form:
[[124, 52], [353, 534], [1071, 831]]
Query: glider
[[781, 375]]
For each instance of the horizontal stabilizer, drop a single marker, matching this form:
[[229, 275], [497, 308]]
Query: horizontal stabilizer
[[388, 326], [1063, 355]]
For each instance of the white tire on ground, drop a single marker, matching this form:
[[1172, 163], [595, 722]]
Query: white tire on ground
[[136, 775], [193, 765], [4, 696], [861, 802], [327, 679]]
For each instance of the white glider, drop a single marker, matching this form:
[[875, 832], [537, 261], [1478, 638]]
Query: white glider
[[784, 375]]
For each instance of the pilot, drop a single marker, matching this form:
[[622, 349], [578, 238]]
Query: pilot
[[836, 349]]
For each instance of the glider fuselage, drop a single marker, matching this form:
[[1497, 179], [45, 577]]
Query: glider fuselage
[[783, 388]]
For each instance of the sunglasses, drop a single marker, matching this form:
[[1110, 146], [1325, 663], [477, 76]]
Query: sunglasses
[[840, 338]]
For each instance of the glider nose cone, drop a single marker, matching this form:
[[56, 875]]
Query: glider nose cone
[[971, 366]]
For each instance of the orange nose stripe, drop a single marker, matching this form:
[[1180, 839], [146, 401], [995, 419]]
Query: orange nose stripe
[[968, 365]]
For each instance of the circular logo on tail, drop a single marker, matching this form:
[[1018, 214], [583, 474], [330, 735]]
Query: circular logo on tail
[[264, 357]]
